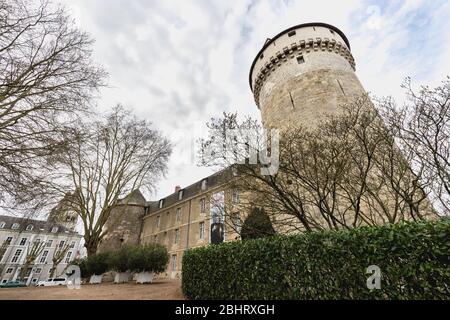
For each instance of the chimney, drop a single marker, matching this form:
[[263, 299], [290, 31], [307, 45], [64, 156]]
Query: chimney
[[177, 188]]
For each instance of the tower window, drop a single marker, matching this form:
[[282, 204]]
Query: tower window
[[292, 33], [261, 56], [300, 60], [180, 194], [161, 203], [332, 32]]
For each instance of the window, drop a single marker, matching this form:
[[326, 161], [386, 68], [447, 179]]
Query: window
[[50, 270], [180, 194], [235, 196], [61, 243], [2, 224], [44, 257], [54, 229], [37, 240], [29, 227], [23, 241], [158, 221], [177, 236], [292, 33], [202, 205], [161, 203], [261, 56], [237, 221], [49, 243], [69, 254], [34, 280], [16, 256], [15, 226], [9, 240], [204, 184], [174, 262], [300, 60], [201, 231], [72, 245], [9, 270], [178, 215], [38, 270], [332, 32]]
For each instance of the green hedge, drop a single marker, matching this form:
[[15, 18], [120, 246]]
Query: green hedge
[[413, 258]]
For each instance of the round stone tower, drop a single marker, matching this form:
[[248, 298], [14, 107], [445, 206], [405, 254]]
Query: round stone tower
[[303, 73]]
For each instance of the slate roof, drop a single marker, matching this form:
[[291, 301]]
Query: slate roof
[[38, 225], [194, 189]]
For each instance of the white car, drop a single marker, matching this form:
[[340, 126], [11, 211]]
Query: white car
[[52, 282]]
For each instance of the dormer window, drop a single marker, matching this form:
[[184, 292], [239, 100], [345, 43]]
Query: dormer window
[[54, 229], [29, 227], [161, 203], [180, 194], [2, 224], [204, 184], [15, 226]]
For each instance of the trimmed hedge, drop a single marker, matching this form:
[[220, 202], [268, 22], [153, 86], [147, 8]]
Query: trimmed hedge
[[413, 258]]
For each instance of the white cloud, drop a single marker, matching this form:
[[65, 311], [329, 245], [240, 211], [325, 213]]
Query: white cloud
[[177, 63]]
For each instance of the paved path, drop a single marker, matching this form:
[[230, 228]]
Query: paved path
[[159, 290]]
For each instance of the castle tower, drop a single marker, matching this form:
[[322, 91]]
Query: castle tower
[[63, 213], [303, 73]]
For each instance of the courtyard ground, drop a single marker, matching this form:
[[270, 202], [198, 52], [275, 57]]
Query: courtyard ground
[[159, 290]]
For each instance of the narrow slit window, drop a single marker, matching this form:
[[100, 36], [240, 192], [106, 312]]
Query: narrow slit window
[[300, 60], [292, 33]]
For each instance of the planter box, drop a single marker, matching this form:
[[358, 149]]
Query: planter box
[[144, 277], [96, 279], [121, 277]]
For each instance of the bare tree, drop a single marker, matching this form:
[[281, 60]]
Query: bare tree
[[422, 130], [33, 251], [344, 173], [58, 255], [47, 80], [107, 160]]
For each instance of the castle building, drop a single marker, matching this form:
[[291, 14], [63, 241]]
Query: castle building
[[298, 76]]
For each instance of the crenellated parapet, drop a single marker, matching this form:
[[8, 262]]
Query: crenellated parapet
[[299, 49]]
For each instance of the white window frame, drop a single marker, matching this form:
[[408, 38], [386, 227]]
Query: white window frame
[[22, 242], [16, 256], [29, 227], [38, 271], [204, 184], [177, 236], [2, 224], [54, 230], [69, 255], [161, 203], [10, 240], [44, 256], [178, 215], [15, 226], [49, 243], [158, 221], [174, 262], [203, 205], [201, 230], [9, 270], [180, 194]]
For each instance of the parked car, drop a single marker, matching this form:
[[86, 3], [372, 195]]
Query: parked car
[[52, 282], [13, 284]]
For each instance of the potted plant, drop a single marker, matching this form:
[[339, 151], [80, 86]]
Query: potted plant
[[147, 260], [119, 262], [97, 265]]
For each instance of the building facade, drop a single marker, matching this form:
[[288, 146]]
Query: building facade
[[18, 236]]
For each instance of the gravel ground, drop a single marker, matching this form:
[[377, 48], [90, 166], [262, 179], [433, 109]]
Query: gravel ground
[[159, 290]]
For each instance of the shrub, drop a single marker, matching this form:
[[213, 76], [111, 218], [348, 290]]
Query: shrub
[[257, 225], [84, 269], [149, 258], [98, 263], [119, 260], [413, 258]]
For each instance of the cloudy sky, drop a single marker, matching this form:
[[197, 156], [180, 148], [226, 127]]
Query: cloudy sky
[[179, 63]]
